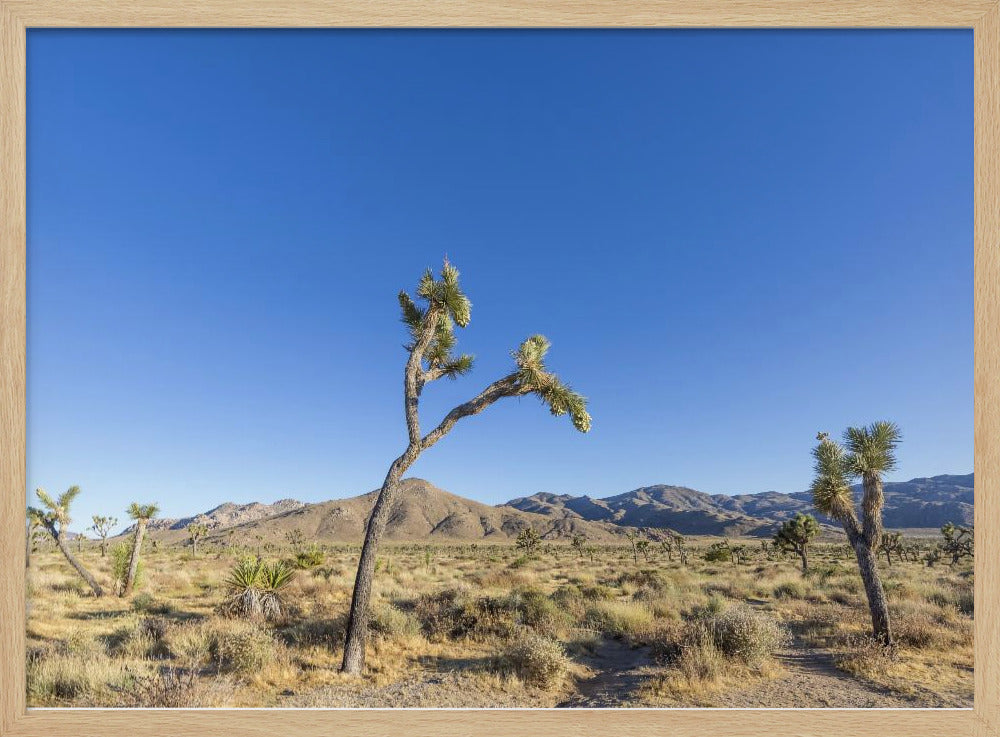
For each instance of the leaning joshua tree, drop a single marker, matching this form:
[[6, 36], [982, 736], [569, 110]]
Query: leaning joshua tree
[[142, 514], [54, 517], [795, 535], [432, 339], [102, 527], [868, 453]]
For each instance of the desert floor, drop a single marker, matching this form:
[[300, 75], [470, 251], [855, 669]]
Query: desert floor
[[480, 625]]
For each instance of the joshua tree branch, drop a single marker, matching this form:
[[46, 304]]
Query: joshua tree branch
[[413, 376], [508, 386]]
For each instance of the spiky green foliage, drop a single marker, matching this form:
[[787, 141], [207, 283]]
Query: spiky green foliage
[[795, 534], [254, 588], [528, 540], [447, 306], [533, 377], [55, 512], [121, 556], [144, 512], [872, 448], [831, 489]]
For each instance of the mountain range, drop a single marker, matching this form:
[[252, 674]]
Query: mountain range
[[425, 512]]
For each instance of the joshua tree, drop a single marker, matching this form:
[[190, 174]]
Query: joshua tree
[[868, 453], [892, 542], [667, 546], [633, 537], [528, 540], [794, 536], [295, 538], [80, 540], [142, 514], [642, 546], [680, 545], [101, 527], [32, 535], [54, 517], [957, 542], [196, 531], [579, 544], [430, 357]]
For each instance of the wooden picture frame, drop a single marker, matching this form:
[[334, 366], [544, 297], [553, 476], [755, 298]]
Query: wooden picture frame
[[983, 16]]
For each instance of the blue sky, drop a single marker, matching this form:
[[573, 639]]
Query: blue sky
[[732, 239]]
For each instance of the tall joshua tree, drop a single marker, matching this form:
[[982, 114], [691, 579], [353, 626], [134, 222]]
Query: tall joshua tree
[[101, 527], [54, 516], [196, 531], [867, 453], [432, 339], [795, 535], [142, 514]]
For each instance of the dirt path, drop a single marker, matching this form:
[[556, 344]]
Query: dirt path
[[811, 680], [619, 674]]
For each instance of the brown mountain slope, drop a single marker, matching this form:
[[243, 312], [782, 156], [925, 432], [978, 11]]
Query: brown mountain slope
[[424, 512]]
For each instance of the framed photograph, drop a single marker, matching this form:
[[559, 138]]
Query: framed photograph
[[466, 368]]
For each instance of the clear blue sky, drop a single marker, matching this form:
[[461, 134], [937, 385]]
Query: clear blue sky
[[732, 239]]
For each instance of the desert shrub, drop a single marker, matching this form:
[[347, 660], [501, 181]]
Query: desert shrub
[[749, 635], [619, 618], [239, 647], [317, 632], [645, 578], [865, 657], [538, 611], [55, 677], [170, 688], [387, 622], [667, 640], [538, 660], [713, 605], [965, 601], [718, 553], [253, 589], [121, 555], [146, 603], [454, 613], [309, 558], [790, 590], [700, 660], [598, 592], [519, 562]]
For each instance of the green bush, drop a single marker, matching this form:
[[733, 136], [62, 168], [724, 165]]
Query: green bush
[[121, 555]]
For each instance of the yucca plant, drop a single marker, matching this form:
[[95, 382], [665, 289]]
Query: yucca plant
[[254, 588]]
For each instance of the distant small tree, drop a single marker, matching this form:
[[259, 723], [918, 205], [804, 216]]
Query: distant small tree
[[142, 514], [667, 546], [592, 552], [642, 546], [102, 527], [740, 554], [196, 531], [892, 543], [528, 540], [295, 538], [80, 540], [958, 542], [54, 517], [633, 538], [719, 552], [430, 357], [795, 534], [579, 544], [680, 545]]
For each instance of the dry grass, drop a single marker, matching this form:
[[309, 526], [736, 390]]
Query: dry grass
[[479, 625]]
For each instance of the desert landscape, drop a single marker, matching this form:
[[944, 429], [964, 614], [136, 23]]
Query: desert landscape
[[548, 601]]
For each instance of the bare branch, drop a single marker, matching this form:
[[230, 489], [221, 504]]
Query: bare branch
[[508, 386]]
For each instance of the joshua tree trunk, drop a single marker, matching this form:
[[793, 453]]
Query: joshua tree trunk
[[357, 624], [878, 605], [133, 563], [104, 547], [84, 573], [804, 555]]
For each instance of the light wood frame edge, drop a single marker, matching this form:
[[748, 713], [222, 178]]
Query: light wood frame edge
[[983, 16]]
